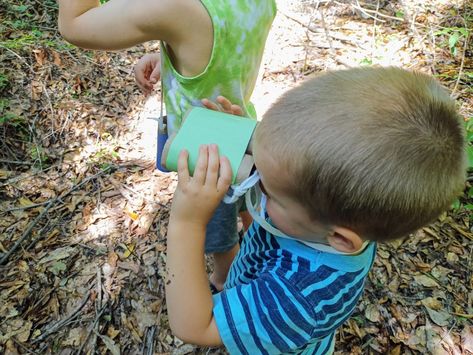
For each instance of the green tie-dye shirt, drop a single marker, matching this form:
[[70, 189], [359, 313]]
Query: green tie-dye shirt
[[240, 30]]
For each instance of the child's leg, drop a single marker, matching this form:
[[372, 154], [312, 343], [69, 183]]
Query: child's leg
[[222, 241], [246, 219], [222, 263]]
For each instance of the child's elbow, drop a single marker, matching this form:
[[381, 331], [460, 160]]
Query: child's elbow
[[184, 335], [193, 336], [71, 34], [66, 31]]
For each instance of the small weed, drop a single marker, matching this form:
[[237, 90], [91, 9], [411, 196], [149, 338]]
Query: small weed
[[4, 81], [106, 152], [400, 14], [23, 41], [469, 140], [454, 34], [466, 202], [38, 154]]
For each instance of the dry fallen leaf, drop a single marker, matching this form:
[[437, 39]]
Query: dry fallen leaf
[[372, 313], [439, 317], [425, 281]]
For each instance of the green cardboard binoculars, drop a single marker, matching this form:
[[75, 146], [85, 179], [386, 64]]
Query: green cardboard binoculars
[[232, 134]]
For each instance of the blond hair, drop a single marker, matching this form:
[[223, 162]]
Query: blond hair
[[377, 150]]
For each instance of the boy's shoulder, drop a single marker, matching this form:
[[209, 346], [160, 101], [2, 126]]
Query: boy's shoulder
[[300, 266]]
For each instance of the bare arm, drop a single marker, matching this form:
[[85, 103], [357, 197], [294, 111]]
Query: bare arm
[[188, 296], [119, 24]]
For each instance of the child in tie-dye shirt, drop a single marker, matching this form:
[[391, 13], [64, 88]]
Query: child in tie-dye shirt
[[209, 48]]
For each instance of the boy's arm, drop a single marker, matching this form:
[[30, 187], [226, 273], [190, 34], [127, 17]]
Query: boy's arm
[[188, 296], [119, 24]]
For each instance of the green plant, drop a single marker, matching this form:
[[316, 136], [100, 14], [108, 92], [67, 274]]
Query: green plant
[[454, 35], [4, 81], [469, 140], [466, 202], [23, 41], [38, 154]]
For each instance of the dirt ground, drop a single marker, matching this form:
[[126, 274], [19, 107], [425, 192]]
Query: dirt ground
[[83, 212]]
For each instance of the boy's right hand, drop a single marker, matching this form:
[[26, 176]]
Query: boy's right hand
[[197, 196], [148, 72]]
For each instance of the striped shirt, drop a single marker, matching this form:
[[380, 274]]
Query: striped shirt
[[282, 296]]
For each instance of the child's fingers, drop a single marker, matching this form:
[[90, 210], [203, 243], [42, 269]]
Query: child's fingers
[[213, 166], [237, 110], [200, 170], [210, 105], [183, 166], [225, 176], [155, 75], [225, 103], [141, 81]]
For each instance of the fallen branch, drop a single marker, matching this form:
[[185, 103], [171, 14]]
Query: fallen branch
[[148, 345], [6, 161], [26, 207], [58, 325], [27, 232], [97, 318]]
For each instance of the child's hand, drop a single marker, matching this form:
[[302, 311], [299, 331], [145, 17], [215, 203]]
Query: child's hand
[[148, 72], [225, 106], [197, 197]]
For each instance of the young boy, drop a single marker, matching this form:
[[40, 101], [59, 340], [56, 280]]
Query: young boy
[[346, 159], [209, 48]]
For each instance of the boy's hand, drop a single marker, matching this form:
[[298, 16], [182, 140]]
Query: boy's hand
[[148, 72], [197, 197], [224, 105]]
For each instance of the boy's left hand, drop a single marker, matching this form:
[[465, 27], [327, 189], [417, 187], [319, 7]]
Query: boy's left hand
[[223, 105], [197, 197]]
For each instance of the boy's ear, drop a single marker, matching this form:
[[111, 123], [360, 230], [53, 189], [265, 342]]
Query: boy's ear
[[345, 240]]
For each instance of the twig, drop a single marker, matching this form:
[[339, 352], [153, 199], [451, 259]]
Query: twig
[[148, 348], [30, 227], [48, 98], [23, 347], [19, 57], [22, 177], [26, 207], [460, 72], [373, 46], [367, 12], [97, 318], [329, 39], [58, 325], [26, 233], [6, 161]]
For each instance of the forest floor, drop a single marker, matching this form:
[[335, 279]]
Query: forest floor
[[83, 212]]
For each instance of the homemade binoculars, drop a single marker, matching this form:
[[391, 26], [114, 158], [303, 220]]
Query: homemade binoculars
[[232, 134]]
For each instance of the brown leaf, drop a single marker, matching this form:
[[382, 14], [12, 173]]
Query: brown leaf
[[75, 337], [432, 303], [438, 317], [40, 56], [467, 339], [425, 281], [372, 313], [56, 58], [128, 265], [112, 332], [396, 350], [11, 349]]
